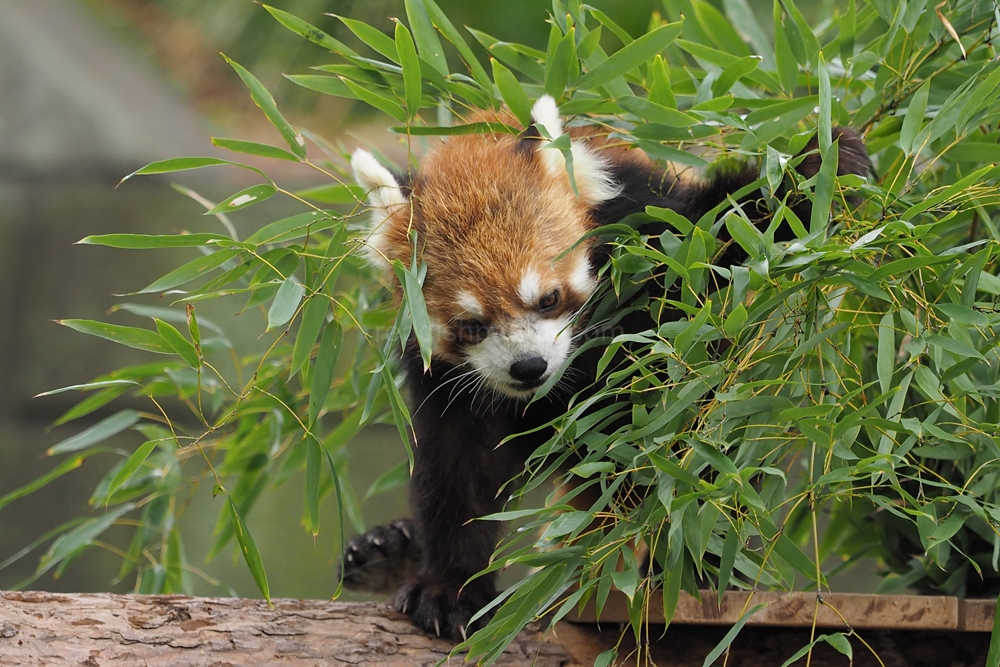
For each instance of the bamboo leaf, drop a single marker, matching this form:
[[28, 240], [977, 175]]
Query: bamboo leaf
[[993, 656], [735, 321], [411, 69], [656, 113], [734, 73], [512, 93], [249, 550], [823, 132], [145, 241], [290, 228], [416, 306], [314, 468], [99, 432], [334, 194], [188, 272], [445, 26], [631, 56], [310, 32], [518, 57], [286, 303], [322, 372], [378, 100], [749, 237], [728, 559], [467, 128], [788, 68], [745, 21], [262, 98], [914, 119], [428, 44], [723, 644], [254, 148], [558, 68], [373, 37], [885, 361], [826, 182], [137, 458], [70, 543], [178, 343], [848, 31], [246, 197], [185, 164], [313, 317], [328, 85], [390, 479], [141, 339]]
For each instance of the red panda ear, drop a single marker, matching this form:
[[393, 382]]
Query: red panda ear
[[385, 197], [527, 141], [591, 171]]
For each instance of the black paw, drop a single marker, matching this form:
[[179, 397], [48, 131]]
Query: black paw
[[380, 560], [442, 609]]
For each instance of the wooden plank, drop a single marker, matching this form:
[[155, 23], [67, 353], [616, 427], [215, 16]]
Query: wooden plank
[[831, 610], [976, 615], [172, 630]]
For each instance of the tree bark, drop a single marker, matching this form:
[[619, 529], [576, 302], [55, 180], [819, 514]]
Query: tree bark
[[126, 630], [97, 630]]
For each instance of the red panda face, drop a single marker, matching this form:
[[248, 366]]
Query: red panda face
[[495, 218]]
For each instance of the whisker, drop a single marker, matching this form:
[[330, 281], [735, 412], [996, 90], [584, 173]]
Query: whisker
[[444, 383]]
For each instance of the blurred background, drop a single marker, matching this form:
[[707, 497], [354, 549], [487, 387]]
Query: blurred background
[[91, 90]]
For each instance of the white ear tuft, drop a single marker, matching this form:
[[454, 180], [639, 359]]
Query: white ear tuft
[[591, 171], [546, 113], [378, 181], [593, 176], [385, 198]]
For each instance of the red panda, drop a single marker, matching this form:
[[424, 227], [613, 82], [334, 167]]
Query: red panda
[[496, 219]]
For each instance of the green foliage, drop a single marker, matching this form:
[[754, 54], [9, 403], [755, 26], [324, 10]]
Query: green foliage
[[849, 379]]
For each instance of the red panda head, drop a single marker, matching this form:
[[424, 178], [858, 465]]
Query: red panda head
[[494, 215]]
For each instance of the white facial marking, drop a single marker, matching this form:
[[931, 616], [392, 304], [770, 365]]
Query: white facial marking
[[470, 304], [581, 279], [530, 289], [385, 198], [550, 339]]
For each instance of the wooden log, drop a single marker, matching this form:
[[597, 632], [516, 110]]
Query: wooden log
[[790, 610], [103, 629], [132, 630]]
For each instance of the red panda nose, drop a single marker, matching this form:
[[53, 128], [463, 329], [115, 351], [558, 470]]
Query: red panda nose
[[528, 369]]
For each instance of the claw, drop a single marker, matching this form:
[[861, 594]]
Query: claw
[[377, 542], [461, 629], [403, 610], [437, 628]]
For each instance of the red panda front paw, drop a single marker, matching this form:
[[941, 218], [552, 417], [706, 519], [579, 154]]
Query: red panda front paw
[[442, 609], [381, 559]]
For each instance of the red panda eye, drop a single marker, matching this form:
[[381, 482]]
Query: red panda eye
[[471, 331], [549, 301]]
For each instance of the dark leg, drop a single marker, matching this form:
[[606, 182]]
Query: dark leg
[[457, 475]]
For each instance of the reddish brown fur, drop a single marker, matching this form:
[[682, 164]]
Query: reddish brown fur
[[486, 213]]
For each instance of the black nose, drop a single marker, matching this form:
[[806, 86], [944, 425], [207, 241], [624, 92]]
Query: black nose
[[529, 369]]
